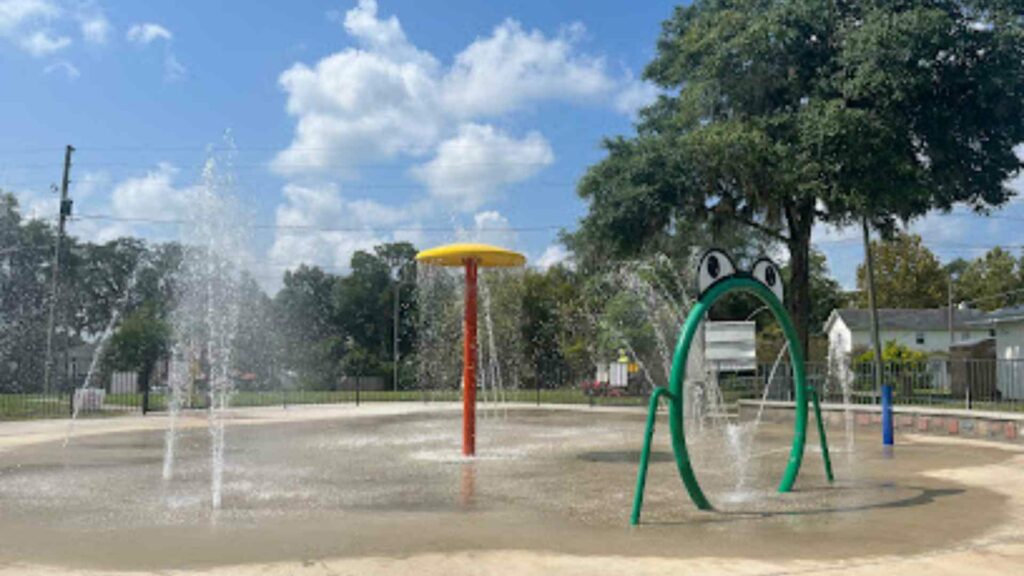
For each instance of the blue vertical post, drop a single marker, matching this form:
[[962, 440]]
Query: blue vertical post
[[887, 415]]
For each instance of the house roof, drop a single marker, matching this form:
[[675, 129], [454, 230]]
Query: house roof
[[1011, 314], [909, 319]]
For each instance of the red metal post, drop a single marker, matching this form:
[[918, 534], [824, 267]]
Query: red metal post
[[469, 363]]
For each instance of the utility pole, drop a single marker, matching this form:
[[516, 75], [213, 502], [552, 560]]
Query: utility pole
[[64, 213], [949, 303], [870, 266], [395, 330]]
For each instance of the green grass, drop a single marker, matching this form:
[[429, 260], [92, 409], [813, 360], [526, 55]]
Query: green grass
[[38, 406], [34, 406]]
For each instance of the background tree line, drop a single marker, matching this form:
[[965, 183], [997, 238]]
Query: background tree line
[[554, 326]]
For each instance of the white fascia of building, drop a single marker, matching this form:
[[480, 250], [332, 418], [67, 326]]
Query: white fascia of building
[[1008, 326], [922, 329]]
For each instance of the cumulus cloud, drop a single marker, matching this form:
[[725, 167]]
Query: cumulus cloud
[[147, 32], [43, 27], [152, 196], [513, 67], [173, 70], [385, 98], [44, 43], [67, 68], [16, 14], [357, 106], [95, 28], [476, 164], [553, 255], [490, 227], [316, 225], [635, 95]]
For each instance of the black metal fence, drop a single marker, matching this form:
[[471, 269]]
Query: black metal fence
[[969, 384], [996, 385]]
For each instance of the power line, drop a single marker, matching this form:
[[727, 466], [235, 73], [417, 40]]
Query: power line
[[297, 227]]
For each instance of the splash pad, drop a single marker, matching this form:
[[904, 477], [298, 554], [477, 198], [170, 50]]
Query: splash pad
[[472, 257], [718, 276]]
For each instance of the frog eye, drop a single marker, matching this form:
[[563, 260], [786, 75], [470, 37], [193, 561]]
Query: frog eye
[[714, 266], [767, 273]]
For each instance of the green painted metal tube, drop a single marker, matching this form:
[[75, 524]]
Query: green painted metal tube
[[675, 408], [675, 395], [645, 453], [821, 434], [678, 377]]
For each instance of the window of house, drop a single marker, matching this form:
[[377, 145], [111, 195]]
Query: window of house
[[992, 333], [919, 338], [965, 335]]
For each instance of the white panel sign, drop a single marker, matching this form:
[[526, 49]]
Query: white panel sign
[[619, 375], [730, 346]]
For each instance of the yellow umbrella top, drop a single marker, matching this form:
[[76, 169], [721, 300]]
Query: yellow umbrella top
[[487, 256]]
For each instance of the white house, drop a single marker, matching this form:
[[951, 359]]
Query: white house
[[1007, 325], [926, 330]]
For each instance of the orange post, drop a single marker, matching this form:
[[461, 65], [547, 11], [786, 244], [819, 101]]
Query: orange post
[[471, 257], [469, 362]]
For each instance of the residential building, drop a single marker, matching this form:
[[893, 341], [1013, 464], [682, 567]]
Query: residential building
[[925, 330]]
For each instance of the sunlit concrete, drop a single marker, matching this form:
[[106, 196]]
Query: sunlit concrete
[[382, 489]]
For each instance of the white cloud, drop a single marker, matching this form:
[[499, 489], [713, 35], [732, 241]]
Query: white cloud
[[476, 164], [69, 69], [513, 67], [490, 227], [173, 70], [635, 95], [43, 42], [14, 14], [147, 32], [316, 225], [382, 36], [31, 24], [357, 106], [95, 28], [554, 255], [153, 195], [385, 98]]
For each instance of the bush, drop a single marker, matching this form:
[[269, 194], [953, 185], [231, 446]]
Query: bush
[[893, 352]]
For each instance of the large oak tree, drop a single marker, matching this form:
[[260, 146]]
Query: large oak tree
[[782, 113]]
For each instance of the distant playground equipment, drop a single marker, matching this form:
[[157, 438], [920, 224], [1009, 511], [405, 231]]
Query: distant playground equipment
[[718, 276], [472, 257]]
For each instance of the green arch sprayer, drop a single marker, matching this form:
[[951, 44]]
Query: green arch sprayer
[[718, 277]]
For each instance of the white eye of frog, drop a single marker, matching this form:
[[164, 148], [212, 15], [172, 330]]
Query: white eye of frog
[[767, 273], [714, 266]]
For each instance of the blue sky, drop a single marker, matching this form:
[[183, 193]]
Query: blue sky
[[352, 123]]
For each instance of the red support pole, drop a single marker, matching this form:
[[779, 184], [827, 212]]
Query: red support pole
[[469, 363]]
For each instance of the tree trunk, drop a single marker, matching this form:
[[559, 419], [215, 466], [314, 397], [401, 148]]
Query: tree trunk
[[800, 219]]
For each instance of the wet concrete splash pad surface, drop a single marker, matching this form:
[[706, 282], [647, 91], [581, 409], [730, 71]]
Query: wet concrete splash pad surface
[[395, 485]]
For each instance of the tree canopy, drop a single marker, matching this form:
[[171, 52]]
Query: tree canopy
[[992, 281], [778, 114], [907, 275]]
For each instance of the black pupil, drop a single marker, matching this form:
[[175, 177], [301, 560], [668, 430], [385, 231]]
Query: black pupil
[[769, 276], [713, 266]]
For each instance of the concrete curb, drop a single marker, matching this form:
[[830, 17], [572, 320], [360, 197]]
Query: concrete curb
[[985, 425]]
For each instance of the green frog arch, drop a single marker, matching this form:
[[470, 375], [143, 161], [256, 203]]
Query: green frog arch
[[717, 276]]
